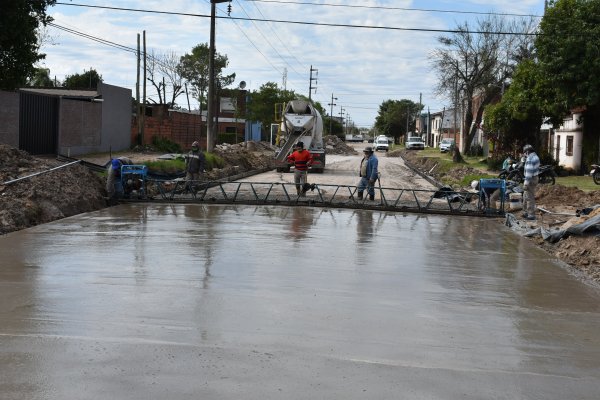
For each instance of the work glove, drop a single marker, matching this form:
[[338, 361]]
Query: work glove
[[371, 182], [525, 185]]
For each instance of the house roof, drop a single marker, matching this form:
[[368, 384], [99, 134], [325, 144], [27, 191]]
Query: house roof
[[87, 94]]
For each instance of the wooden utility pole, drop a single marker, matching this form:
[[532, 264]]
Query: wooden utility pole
[[144, 100], [211, 135], [137, 95]]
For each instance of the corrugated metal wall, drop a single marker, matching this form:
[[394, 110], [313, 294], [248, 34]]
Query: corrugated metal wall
[[38, 123]]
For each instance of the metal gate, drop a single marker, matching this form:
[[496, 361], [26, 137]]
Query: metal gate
[[38, 123]]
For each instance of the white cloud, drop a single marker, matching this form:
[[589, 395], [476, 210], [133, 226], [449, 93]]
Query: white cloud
[[361, 66]]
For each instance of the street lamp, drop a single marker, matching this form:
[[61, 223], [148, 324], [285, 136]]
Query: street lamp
[[210, 131]]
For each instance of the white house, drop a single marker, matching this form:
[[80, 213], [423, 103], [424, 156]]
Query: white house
[[566, 142]]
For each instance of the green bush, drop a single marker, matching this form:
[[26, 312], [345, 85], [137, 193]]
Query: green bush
[[213, 161], [163, 144], [227, 138], [177, 165]]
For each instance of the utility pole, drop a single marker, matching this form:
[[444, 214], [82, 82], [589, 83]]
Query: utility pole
[[331, 113], [310, 87], [210, 131], [342, 116], [137, 95], [144, 93]]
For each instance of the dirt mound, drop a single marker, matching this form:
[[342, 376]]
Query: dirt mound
[[247, 156], [562, 196], [334, 145], [46, 197], [431, 167]]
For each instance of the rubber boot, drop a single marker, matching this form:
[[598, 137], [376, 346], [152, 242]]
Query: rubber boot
[[359, 195], [372, 197]]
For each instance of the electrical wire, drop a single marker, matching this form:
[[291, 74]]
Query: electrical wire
[[396, 8], [392, 28]]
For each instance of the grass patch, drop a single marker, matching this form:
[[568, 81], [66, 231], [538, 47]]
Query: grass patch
[[466, 181], [585, 183], [166, 166], [177, 165]]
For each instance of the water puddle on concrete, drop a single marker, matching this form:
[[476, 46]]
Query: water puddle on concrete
[[258, 302]]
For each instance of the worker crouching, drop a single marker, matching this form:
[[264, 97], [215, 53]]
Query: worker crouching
[[114, 186]]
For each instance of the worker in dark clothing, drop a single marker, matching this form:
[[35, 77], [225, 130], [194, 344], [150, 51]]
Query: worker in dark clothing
[[194, 165], [114, 187], [368, 174], [302, 160]]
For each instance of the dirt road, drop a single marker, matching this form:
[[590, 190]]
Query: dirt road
[[343, 170]]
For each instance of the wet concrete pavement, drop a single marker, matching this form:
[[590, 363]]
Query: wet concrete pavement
[[239, 302]]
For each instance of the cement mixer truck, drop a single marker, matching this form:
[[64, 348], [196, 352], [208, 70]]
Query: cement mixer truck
[[301, 122]]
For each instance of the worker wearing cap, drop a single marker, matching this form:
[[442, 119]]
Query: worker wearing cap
[[302, 160], [532, 169], [114, 187], [368, 173], [194, 164]]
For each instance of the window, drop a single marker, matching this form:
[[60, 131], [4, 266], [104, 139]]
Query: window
[[569, 145], [231, 129]]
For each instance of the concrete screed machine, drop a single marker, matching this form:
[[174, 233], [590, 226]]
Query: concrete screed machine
[[301, 122]]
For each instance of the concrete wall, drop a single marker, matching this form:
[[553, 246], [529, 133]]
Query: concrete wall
[[96, 126], [116, 118], [9, 118], [80, 127]]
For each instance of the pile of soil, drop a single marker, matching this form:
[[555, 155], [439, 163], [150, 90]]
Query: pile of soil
[[334, 145], [46, 197]]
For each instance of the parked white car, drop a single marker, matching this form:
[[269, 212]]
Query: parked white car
[[446, 144], [415, 143]]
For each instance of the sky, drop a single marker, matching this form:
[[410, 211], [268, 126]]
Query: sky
[[361, 67]]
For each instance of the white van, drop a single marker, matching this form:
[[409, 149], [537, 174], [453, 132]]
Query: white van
[[381, 143]]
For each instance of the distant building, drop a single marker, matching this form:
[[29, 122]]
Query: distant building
[[566, 142], [66, 121], [443, 126], [184, 127]]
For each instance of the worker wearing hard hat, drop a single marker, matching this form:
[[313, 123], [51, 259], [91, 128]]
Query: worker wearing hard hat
[[194, 165]]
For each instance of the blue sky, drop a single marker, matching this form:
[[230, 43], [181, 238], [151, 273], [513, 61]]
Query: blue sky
[[361, 67]]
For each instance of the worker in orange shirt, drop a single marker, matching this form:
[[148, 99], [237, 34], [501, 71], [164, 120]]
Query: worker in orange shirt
[[302, 160]]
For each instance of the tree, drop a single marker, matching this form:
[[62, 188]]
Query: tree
[[19, 45], [193, 67], [87, 80], [393, 115], [41, 78], [472, 66], [261, 105], [162, 71], [569, 61], [517, 118]]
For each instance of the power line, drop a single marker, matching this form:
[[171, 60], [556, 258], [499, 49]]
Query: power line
[[397, 8], [279, 39], [280, 21]]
